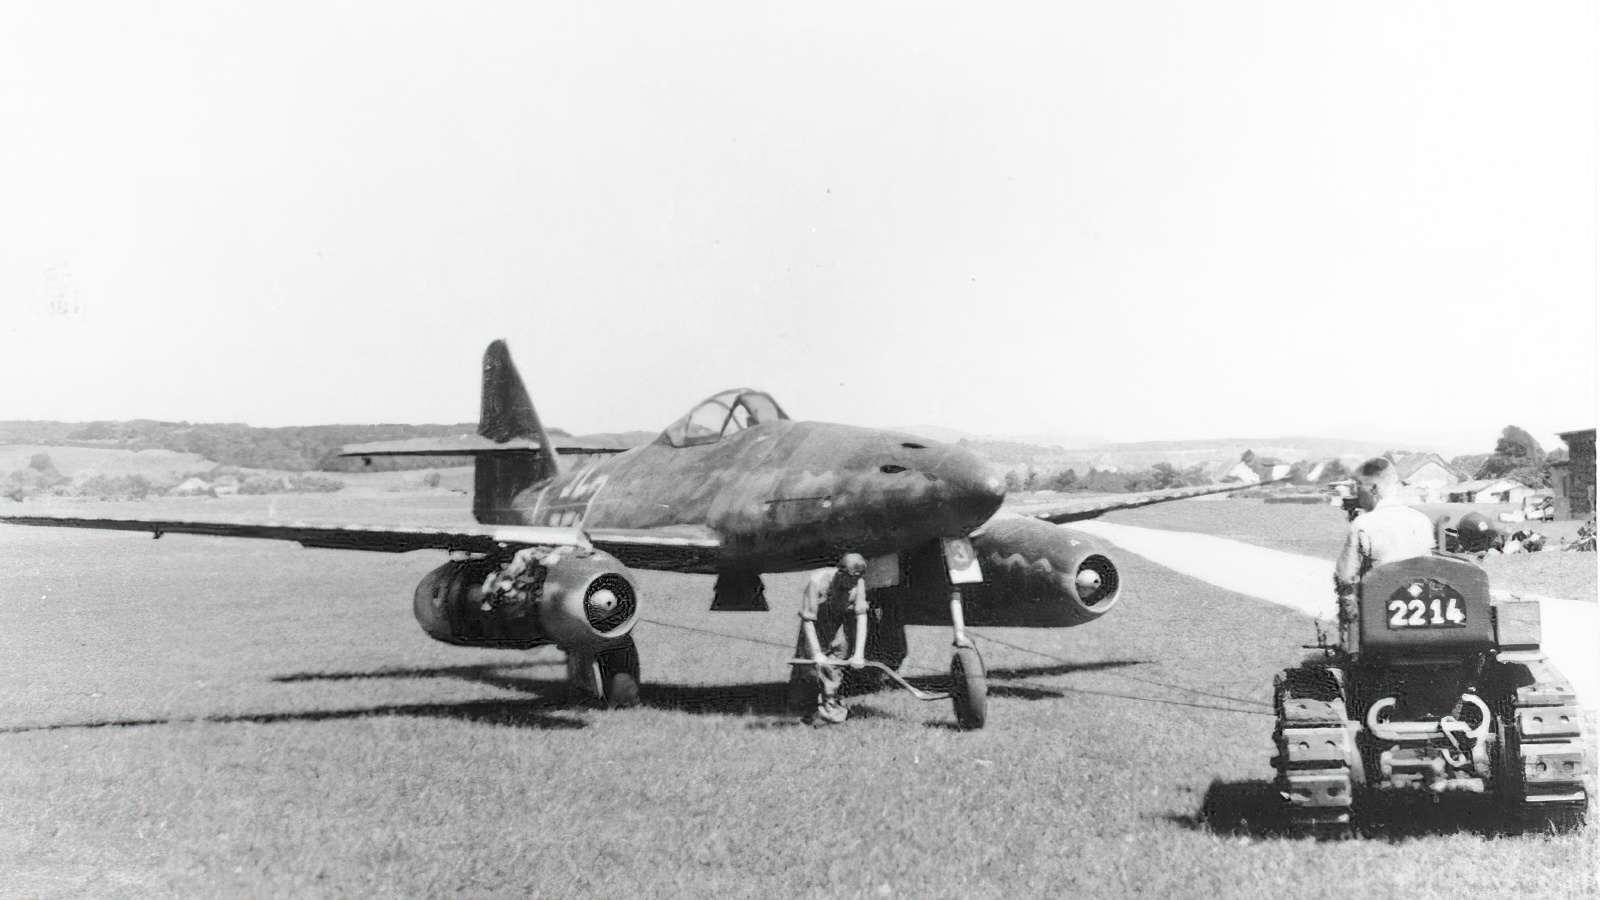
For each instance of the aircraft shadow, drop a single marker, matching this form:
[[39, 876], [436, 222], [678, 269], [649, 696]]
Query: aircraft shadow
[[528, 713], [1255, 809], [544, 697], [495, 675], [768, 698]]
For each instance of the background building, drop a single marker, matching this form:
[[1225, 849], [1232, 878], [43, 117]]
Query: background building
[[1573, 479], [1427, 474]]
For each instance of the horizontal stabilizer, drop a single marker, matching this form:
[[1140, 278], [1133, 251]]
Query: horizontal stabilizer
[[463, 445]]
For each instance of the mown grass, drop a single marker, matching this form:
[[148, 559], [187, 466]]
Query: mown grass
[[303, 738]]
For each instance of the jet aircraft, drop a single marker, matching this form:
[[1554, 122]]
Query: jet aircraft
[[734, 489]]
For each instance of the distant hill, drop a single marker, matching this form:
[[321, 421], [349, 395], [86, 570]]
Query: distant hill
[[1313, 447], [618, 438], [1288, 449], [953, 436], [302, 448], [291, 449], [1182, 454]]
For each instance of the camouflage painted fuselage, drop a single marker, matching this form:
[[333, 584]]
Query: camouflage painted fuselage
[[782, 496]]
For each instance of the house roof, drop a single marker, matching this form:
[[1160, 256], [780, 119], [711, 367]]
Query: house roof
[[1412, 463]]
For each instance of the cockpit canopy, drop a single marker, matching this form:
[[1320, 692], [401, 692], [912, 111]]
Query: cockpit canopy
[[722, 415]]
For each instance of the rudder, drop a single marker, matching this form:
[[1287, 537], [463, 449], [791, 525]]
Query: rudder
[[507, 413]]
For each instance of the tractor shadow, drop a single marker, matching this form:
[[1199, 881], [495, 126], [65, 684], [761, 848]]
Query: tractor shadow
[[1255, 809]]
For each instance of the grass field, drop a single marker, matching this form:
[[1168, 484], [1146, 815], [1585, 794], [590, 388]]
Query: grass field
[[199, 717]]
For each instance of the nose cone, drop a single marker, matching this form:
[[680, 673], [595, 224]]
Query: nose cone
[[974, 488]]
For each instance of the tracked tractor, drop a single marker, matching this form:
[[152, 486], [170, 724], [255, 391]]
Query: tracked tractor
[[1431, 687]]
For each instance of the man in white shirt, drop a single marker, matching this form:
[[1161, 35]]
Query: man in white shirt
[[1386, 531]]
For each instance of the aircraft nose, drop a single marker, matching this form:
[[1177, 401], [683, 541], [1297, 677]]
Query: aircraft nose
[[976, 486]]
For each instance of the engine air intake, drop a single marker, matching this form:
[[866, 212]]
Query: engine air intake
[[609, 602], [1096, 580]]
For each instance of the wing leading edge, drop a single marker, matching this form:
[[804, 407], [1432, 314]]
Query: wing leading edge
[[677, 549], [1090, 507]]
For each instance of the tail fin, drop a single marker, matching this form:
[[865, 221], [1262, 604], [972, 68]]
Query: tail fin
[[506, 414]]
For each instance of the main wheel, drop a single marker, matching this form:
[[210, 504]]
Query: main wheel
[[619, 675], [610, 677], [969, 688]]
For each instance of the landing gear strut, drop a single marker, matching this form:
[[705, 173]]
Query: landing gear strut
[[610, 676], [969, 683]]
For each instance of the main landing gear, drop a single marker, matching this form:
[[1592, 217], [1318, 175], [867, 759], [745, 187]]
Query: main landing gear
[[609, 677]]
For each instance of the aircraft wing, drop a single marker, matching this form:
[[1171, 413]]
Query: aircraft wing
[[672, 549], [379, 538], [1090, 507]]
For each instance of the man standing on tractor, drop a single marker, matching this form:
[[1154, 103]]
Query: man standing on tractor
[[833, 608], [1386, 531]]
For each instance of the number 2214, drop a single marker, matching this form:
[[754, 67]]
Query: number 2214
[[1404, 614]]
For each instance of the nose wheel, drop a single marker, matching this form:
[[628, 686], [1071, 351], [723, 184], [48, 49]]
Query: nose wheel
[[969, 688], [969, 682]]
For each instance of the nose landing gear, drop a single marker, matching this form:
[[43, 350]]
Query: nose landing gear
[[969, 682]]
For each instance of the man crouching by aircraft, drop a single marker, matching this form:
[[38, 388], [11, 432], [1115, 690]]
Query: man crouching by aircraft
[[830, 599]]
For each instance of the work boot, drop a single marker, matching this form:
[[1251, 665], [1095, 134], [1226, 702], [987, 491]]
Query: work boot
[[829, 712]]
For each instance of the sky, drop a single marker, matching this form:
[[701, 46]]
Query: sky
[[1137, 221]]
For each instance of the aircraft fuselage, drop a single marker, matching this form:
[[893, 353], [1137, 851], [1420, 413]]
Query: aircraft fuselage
[[783, 495]]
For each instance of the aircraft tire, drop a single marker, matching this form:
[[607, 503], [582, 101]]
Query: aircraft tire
[[969, 688], [619, 676], [610, 677]]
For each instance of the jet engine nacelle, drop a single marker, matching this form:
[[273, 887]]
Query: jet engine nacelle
[[1036, 573], [577, 598]]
